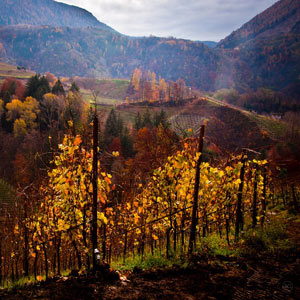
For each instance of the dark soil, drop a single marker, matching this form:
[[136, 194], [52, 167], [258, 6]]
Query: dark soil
[[263, 276], [248, 278]]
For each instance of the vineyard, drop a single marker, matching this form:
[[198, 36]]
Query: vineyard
[[47, 230], [149, 168]]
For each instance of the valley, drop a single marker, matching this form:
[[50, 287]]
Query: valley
[[148, 167]]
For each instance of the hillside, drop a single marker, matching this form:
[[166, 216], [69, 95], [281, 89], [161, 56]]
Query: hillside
[[46, 12], [222, 121], [265, 51], [262, 53], [96, 52], [66, 40], [271, 62], [277, 20]]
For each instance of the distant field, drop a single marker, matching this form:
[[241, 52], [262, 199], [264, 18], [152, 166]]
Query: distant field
[[88, 96], [7, 70], [109, 90], [228, 129]]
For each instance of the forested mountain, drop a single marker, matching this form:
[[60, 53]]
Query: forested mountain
[[265, 51], [69, 41], [272, 62], [262, 53], [46, 12], [97, 52]]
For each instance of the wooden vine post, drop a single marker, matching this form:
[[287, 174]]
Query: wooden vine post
[[239, 215], [196, 192], [264, 201], [95, 189], [254, 205]]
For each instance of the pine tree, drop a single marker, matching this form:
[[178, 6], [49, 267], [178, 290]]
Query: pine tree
[[58, 88], [126, 144], [147, 122], [120, 125], [74, 88], [138, 124], [111, 128], [160, 118]]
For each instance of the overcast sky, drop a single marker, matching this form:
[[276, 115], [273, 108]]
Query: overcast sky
[[190, 19]]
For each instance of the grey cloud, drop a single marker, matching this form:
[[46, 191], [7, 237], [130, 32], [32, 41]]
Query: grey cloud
[[190, 19]]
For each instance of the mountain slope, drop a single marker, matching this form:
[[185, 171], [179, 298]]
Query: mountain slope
[[265, 51], [262, 53], [272, 62], [46, 12], [101, 53], [279, 19]]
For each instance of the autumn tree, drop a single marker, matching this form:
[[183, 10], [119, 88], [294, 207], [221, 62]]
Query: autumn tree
[[163, 95], [52, 113], [12, 88], [73, 111], [1, 108], [135, 80], [23, 114]]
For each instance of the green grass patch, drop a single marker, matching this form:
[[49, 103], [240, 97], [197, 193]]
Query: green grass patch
[[273, 238], [275, 128], [87, 96], [213, 245], [149, 261], [213, 102], [12, 71], [21, 282]]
